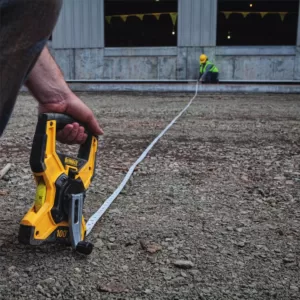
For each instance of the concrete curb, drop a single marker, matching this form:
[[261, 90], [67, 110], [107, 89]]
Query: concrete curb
[[209, 88]]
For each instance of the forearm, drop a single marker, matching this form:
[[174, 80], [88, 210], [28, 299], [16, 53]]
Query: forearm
[[208, 69], [203, 77], [47, 85], [46, 81]]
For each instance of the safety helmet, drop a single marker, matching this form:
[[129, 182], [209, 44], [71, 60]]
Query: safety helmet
[[203, 58]]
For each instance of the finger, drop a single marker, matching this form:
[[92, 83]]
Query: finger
[[71, 137], [92, 123], [83, 114], [95, 127], [62, 134], [81, 136], [68, 134]]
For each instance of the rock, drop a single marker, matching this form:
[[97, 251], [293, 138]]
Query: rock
[[40, 289], [77, 270], [183, 264], [294, 288], [168, 277], [148, 291], [183, 274], [111, 239], [115, 211], [22, 288], [150, 247], [112, 288], [14, 274], [262, 247], [11, 269], [164, 270], [245, 178], [49, 281], [112, 246], [179, 281], [125, 268], [289, 258], [99, 243], [3, 192], [195, 272], [171, 192], [289, 182], [241, 244], [130, 243], [29, 269]]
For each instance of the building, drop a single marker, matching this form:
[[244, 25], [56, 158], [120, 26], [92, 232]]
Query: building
[[162, 39]]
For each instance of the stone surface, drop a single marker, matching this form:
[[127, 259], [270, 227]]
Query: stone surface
[[188, 196]]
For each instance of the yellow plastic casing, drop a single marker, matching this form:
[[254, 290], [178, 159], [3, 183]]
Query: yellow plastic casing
[[39, 216]]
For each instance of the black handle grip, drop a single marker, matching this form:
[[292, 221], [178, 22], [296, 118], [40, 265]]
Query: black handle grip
[[40, 139], [62, 120]]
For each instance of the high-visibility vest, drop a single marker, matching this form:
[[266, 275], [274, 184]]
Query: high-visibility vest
[[212, 68]]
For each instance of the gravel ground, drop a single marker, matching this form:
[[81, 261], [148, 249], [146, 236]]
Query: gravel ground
[[212, 213]]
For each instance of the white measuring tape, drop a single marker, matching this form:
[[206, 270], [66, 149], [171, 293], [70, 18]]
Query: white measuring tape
[[98, 214]]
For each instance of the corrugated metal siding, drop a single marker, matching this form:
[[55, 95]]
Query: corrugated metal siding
[[197, 23], [80, 25], [184, 20], [210, 38]]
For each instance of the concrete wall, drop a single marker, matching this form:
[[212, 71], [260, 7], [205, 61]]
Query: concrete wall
[[238, 63], [87, 59]]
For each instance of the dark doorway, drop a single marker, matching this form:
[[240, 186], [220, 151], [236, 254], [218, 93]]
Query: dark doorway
[[140, 23], [257, 22]]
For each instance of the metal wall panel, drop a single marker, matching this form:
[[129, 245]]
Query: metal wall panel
[[80, 25], [208, 23], [184, 22], [197, 23]]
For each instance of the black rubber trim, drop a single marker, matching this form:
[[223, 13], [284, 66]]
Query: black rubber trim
[[38, 148], [26, 235]]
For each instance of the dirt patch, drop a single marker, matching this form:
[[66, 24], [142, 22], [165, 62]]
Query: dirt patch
[[212, 213]]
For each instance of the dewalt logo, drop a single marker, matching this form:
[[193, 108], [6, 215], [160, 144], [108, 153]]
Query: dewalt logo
[[71, 161]]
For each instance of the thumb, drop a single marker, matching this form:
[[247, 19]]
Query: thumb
[[79, 111]]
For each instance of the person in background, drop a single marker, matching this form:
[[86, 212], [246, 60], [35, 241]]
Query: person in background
[[209, 73]]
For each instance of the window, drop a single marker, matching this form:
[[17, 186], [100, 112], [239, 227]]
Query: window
[[140, 23], [257, 22]]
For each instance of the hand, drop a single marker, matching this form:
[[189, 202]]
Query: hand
[[46, 83], [74, 107]]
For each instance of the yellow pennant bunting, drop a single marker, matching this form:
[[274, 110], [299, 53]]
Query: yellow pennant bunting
[[124, 17], [108, 19], [227, 14], [140, 16], [173, 17], [282, 15], [156, 15], [263, 13]]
